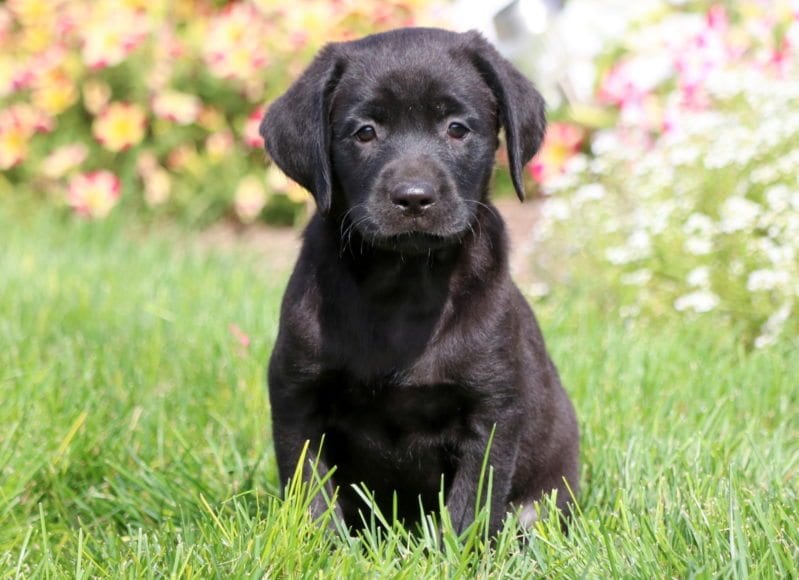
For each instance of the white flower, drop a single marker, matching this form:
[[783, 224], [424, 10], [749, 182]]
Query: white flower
[[764, 174], [738, 213], [773, 326], [764, 280], [590, 192], [778, 254], [699, 277], [698, 246], [698, 223], [604, 142], [556, 209], [637, 278], [698, 301], [686, 155], [576, 164], [638, 246], [778, 197]]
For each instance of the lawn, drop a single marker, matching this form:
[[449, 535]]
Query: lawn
[[135, 434]]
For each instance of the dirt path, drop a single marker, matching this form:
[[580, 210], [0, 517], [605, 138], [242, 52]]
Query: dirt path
[[281, 245]]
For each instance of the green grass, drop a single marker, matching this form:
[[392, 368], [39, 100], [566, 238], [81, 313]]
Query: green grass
[[135, 432]]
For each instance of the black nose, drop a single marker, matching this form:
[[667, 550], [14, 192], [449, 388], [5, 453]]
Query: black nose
[[413, 198]]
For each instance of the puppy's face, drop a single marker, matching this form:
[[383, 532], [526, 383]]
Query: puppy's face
[[412, 146], [395, 134]]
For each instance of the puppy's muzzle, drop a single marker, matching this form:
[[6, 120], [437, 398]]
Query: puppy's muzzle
[[413, 198]]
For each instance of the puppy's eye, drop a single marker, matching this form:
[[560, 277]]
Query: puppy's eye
[[365, 134], [457, 131]]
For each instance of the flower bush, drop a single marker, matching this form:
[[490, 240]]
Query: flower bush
[[155, 105], [689, 202]]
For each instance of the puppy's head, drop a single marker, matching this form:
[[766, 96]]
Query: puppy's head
[[396, 133]]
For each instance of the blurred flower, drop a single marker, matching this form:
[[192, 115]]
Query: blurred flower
[[63, 160], [250, 198], [6, 23], [562, 141], [157, 180], [8, 75], [219, 145], [252, 136], [14, 135], [738, 213], [94, 194], [699, 277], [310, 20], [56, 95], [637, 278], [181, 108], [120, 126], [773, 326], [211, 119], [186, 159], [630, 80], [146, 163], [637, 247], [52, 80], [698, 246], [704, 53], [698, 301], [109, 38], [241, 337], [96, 95], [767, 279], [18, 123], [32, 117], [31, 12], [157, 186], [234, 47], [279, 182]]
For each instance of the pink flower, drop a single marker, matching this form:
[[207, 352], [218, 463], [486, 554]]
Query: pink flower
[[108, 39], [562, 141], [181, 108], [241, 337], [252, 136], [14, 135], [619, 86], [120, 126], [717, 18], [235, 45], [706, 52], [93, 195], [18, 123], [64, 159], [780, 58], [157, 187], [96, 95], [250, 198], [219, 145]]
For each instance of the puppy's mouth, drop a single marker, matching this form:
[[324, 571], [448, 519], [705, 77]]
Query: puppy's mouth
[[415, 242], [384, 227]]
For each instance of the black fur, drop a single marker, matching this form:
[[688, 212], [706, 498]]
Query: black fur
[[403, 340]]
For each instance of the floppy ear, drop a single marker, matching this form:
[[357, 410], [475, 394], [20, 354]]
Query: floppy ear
[[296, 128], [522, 110]]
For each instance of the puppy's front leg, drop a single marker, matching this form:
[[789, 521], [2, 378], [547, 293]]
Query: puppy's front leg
[[462, 495], [294, 427]]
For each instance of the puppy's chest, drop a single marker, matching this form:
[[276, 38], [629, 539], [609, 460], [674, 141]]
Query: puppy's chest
[[392, 414], [371, 342]]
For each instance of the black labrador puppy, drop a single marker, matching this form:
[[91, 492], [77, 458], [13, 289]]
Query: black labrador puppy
[[403, 341]]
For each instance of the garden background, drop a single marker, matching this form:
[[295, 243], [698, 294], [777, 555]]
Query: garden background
[[141, 270]]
